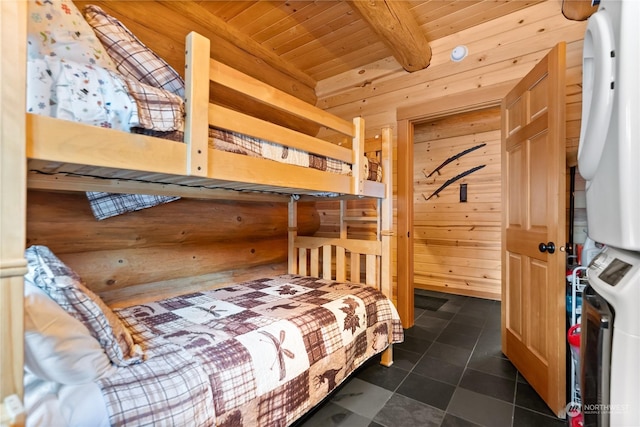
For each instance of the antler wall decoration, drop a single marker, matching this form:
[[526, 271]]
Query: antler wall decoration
[[457, 177], [452, 180]]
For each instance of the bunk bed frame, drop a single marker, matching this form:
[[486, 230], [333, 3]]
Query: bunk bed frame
[[57, 147], [66, 156]]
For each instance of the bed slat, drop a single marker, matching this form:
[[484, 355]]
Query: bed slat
[[341, 275], [302, 261], [56, 140], [326, 261], [372, 271], [314, 253], [355, 267], [372, 247]]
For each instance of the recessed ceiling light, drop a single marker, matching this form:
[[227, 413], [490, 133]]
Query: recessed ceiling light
[[459, 53]]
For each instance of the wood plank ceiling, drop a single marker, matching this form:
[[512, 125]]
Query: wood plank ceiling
[[305, 42], [324, 38]]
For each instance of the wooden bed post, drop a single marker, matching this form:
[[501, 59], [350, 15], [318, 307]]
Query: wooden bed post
[[357, 170], [293, 233], [386, 231], [341, 273], [196, 131], [13, 173]]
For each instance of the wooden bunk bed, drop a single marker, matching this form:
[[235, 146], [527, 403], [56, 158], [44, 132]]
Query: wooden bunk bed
[[67, 156], [72, 149]]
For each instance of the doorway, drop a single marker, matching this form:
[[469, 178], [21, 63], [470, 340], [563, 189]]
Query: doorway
[[457, 205], [533, 165], [410, 119]]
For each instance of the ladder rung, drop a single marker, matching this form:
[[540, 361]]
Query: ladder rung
[[360, 218]]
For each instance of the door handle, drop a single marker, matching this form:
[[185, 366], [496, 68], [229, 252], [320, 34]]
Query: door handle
[[548, 247]]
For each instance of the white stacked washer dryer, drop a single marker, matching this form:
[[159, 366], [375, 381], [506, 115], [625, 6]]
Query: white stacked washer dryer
[[609, 160]]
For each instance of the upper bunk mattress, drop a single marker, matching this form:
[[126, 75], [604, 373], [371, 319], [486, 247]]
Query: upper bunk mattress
[[92, 95]]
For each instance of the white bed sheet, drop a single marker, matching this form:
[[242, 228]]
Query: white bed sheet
[[81, 93], [50, 404]]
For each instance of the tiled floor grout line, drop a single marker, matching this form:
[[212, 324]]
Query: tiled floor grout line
[[424, 354], [515, 390], [483, 359], [467, 367], [449, 322], [395, 390], [411, 370]]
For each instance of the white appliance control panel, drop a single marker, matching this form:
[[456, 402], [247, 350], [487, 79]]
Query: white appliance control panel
[[615, 275]]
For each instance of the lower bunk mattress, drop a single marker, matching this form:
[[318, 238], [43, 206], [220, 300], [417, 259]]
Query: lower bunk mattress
[[259, 353]]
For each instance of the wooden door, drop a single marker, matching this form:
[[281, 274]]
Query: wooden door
[[533, 179]]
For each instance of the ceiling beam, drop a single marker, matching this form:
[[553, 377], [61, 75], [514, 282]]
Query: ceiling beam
[[394, 23], [577, 10], [239, 39]]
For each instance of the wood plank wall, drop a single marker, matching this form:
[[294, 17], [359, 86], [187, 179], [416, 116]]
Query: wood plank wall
[[500, 53], [457, 244], [329, 213], [222, 241]]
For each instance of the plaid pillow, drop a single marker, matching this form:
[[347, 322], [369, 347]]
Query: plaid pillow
[[158, 109], [132, 57], [375, 170], [65, 287]]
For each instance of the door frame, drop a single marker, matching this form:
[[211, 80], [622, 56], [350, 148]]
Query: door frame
[[407, 118]]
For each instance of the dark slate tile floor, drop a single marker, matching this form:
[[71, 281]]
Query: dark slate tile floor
[[449, 372]]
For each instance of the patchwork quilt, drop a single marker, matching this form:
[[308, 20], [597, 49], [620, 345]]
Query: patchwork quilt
[[259, 353]]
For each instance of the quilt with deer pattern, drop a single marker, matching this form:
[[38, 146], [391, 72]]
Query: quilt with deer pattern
[[259, 353]]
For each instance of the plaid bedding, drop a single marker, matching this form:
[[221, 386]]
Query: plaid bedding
[[243, 144], [143, 96], [259, 353], [141, 108], [105, 205]]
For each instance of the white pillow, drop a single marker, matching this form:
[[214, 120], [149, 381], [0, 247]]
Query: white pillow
[[57, 28], [70, 405], [91, 95], [59, 347]]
